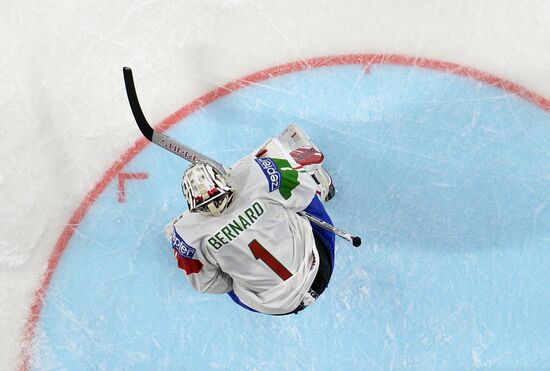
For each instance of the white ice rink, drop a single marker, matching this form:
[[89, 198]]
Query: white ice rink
[[65, 116]]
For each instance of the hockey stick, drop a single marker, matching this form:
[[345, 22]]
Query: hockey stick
[[156, 137], [194, 156]]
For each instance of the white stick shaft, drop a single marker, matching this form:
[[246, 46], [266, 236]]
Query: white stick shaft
[[184, 151]]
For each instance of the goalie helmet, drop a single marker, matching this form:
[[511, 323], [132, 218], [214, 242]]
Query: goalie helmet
[[206, 189]]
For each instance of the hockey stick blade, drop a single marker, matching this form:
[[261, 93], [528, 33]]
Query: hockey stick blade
[[141, 121], [158, 138]]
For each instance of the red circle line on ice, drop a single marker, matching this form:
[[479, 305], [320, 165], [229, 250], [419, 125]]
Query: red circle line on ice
[[366, 60]]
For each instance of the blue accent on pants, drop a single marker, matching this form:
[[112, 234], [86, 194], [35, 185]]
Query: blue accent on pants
[[238, 301], [317, 209]]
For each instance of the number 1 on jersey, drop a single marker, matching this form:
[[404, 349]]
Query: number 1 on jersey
[[260, 253]]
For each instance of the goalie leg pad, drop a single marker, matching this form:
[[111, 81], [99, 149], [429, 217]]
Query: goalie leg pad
[[295, 146], [298, 149]]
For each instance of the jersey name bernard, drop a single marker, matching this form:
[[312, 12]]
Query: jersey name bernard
[[233, 229]]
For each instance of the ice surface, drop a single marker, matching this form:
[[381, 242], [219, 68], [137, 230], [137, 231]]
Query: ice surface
[[444, 184], [66, 120]]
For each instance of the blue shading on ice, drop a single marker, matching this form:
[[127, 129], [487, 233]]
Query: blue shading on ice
[[447, 181]]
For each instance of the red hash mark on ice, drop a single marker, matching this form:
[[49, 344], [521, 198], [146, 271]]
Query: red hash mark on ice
[[122, 177]]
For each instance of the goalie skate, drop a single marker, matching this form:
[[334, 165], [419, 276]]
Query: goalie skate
[[326, 190]]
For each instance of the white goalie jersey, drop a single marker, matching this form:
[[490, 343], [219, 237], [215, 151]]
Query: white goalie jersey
[[259, 247]]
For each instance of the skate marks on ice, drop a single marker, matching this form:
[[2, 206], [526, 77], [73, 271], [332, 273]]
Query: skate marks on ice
[[443, 170]]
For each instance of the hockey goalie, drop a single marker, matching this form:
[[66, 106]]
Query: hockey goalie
[[243, 234]]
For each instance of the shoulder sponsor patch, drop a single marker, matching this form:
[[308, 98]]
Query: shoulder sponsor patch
[[183, 249], [271, 172], [280, 175]]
